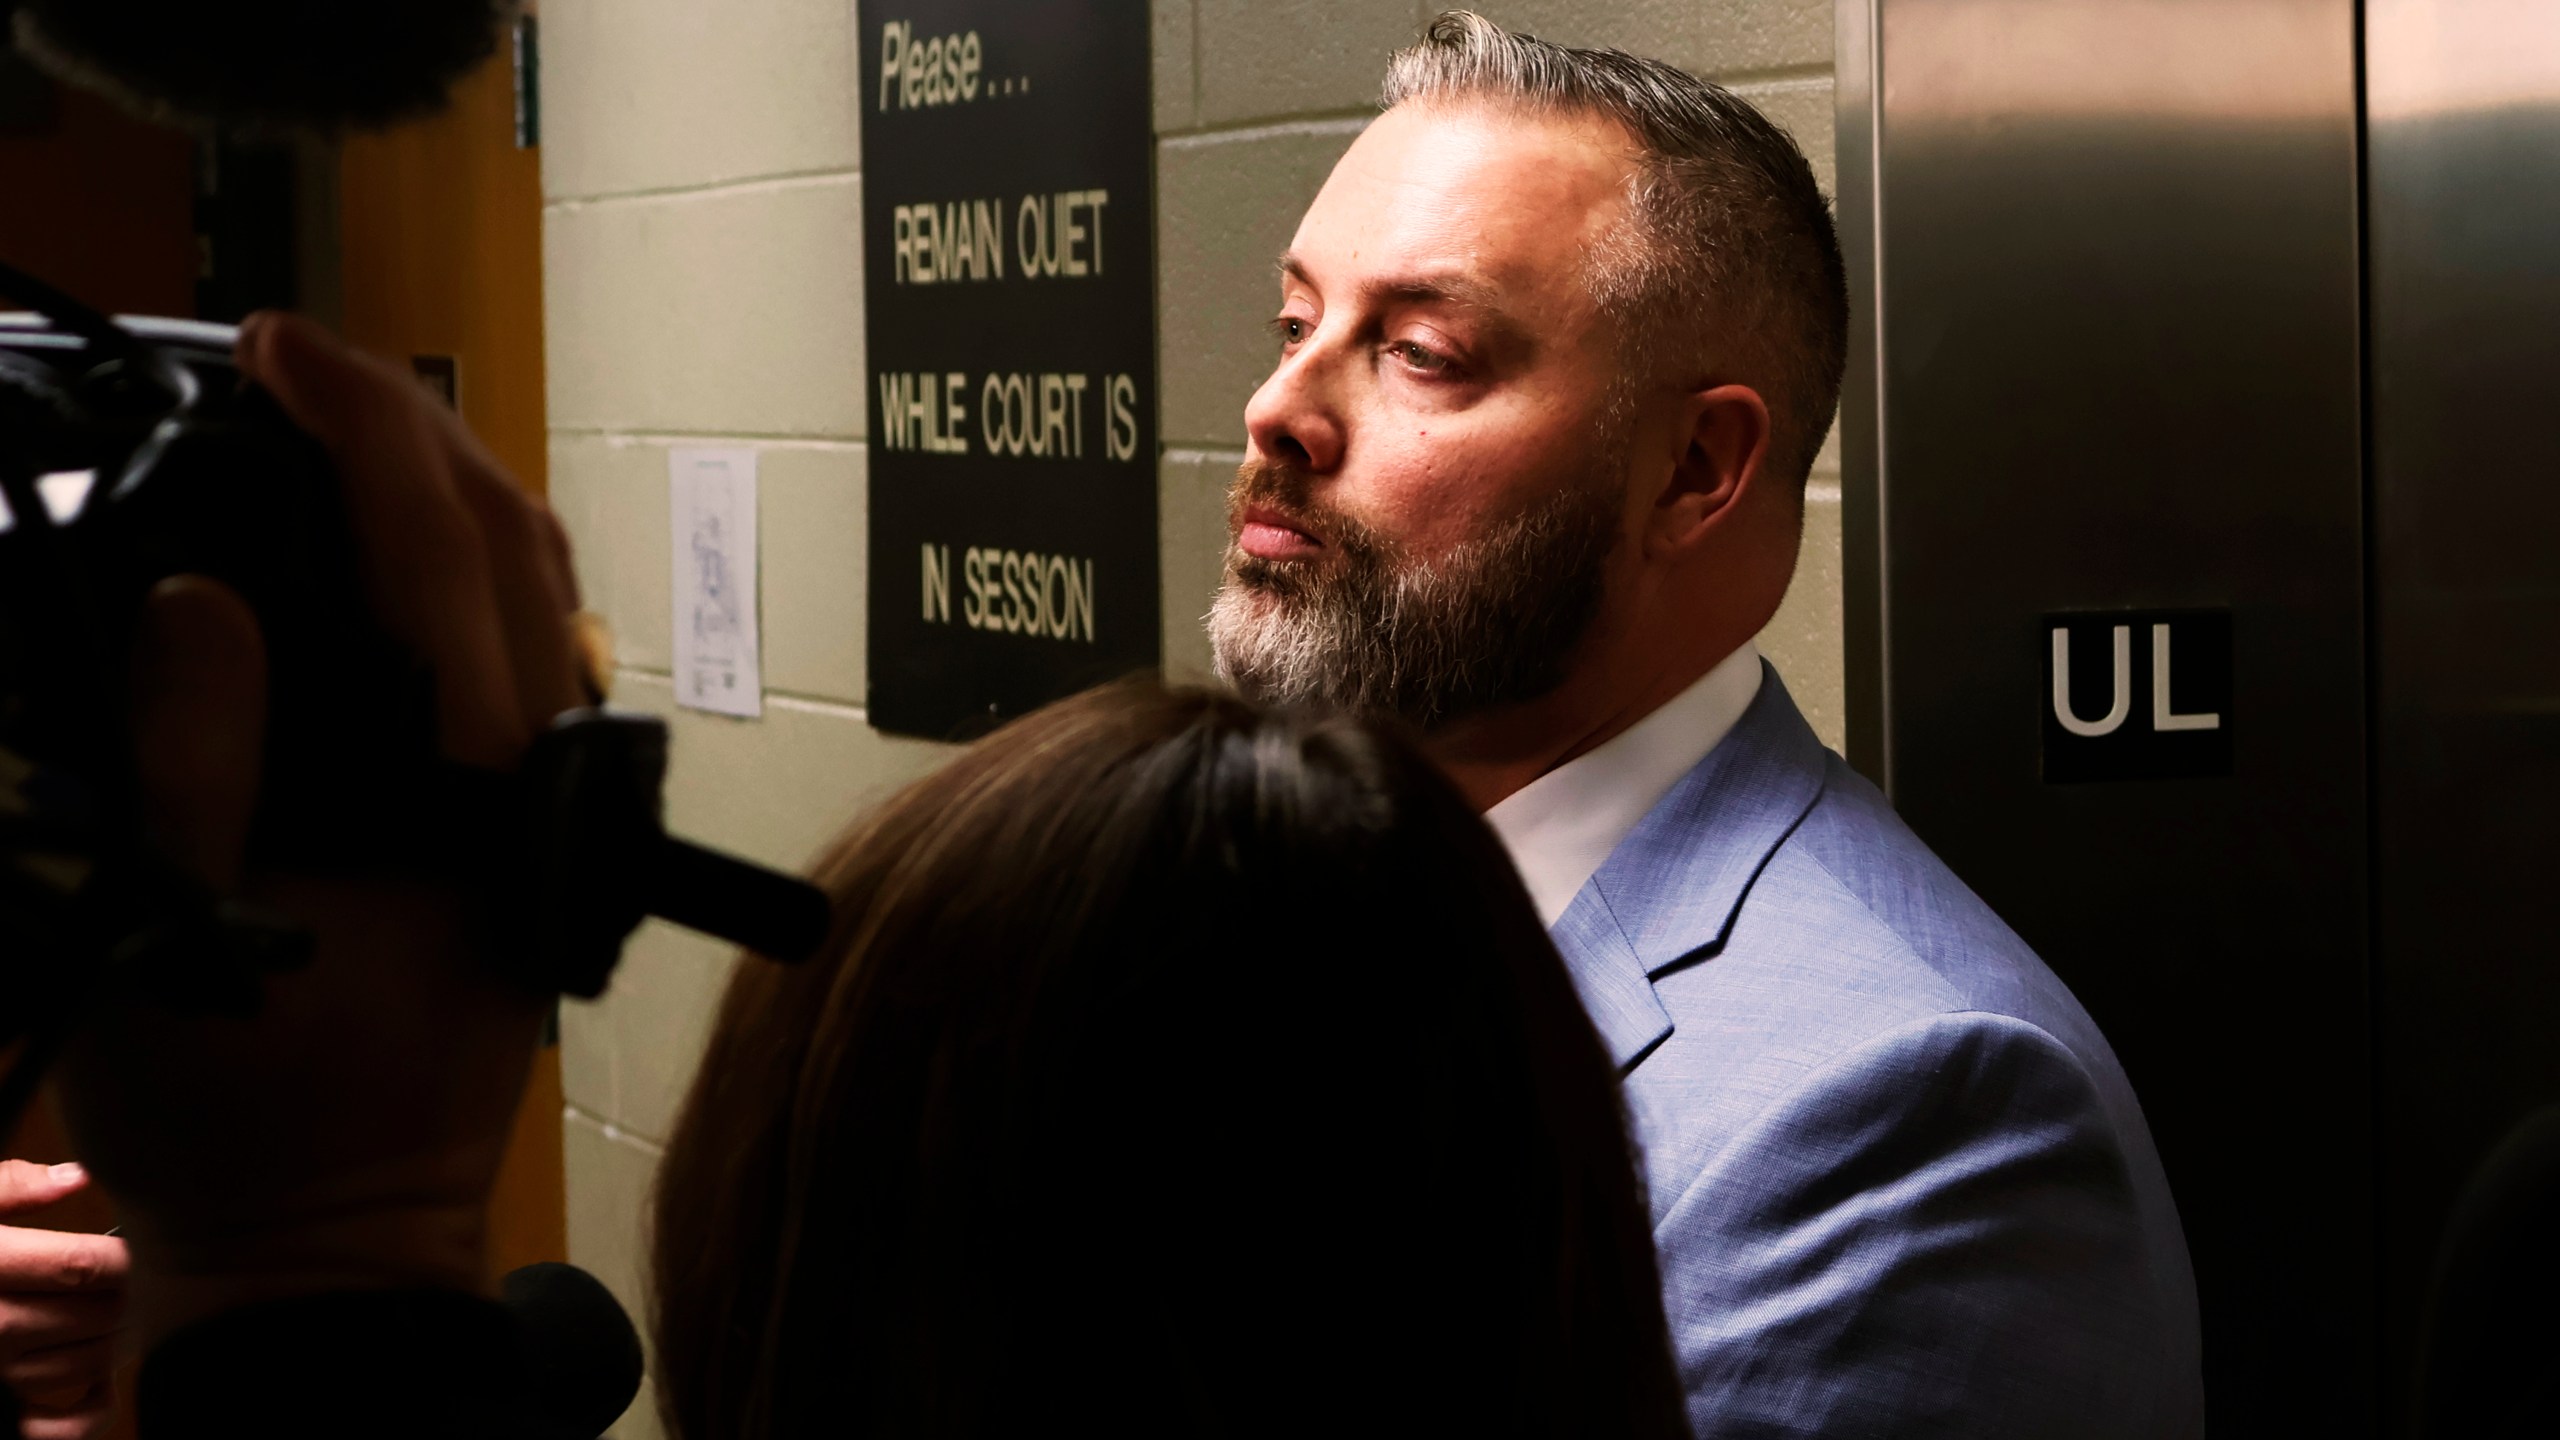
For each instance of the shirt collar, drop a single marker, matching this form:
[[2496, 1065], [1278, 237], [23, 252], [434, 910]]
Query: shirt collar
[[1561, 826]]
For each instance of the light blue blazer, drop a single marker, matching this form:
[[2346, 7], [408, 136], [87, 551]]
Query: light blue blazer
[[1900, 1186]]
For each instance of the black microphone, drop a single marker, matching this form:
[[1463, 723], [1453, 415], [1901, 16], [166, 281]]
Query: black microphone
[[250, 65], [777, 916], [581, 1354]]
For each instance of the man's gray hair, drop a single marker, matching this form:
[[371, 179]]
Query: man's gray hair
[[1733, 271]]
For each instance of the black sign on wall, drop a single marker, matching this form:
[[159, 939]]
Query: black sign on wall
[[1009, 298], [2136, 694]]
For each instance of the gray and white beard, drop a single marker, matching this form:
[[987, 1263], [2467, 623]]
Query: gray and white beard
[[1369, 632]]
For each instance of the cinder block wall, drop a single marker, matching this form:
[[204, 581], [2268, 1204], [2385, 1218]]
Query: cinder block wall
[[702, 268]]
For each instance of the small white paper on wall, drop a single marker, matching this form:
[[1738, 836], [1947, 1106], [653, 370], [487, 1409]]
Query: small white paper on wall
[[713, 499]]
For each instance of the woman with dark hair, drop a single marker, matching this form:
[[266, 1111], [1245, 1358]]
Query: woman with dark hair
[[1175, 1067]]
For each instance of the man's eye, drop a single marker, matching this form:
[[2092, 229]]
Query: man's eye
[[1430, 362], [1289, 328]]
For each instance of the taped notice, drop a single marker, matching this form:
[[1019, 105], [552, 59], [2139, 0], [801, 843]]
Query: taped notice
[[713, 514]]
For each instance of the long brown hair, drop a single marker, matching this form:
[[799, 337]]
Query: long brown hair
[[1175, 1067]]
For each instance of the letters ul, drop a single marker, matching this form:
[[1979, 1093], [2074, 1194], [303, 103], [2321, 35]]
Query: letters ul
[[2120, 701]]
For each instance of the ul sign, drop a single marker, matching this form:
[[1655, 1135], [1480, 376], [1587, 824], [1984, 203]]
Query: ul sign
[[2137, 695]]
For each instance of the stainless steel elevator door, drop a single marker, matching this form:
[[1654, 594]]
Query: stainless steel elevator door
[[2113, 246], [2463, 236]]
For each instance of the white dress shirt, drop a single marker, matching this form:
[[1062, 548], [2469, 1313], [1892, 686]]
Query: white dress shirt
[[1561, 826]]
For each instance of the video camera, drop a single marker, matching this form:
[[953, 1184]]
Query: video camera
[[132, 451]]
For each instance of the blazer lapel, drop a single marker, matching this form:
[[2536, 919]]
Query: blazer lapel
[[1671, 889], [1615, 991]]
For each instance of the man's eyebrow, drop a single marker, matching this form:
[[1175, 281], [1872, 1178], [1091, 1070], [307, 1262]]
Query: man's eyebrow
[[1464, 291]]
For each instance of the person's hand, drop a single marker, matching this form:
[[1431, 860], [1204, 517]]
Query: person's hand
[[61, 1300], [346, 1135]]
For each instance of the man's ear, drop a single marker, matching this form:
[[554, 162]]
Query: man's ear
[[1727, 441]]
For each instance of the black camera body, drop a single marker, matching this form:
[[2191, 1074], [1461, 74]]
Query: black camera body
[[161, 462], [132, 451]]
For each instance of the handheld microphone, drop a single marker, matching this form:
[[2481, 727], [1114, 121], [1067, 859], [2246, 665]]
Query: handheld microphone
[[581, 1354]]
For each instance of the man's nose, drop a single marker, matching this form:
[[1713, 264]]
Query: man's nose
[[1294, 417]]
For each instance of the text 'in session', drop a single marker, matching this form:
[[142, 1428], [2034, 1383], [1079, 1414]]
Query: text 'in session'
[[1016, 592]]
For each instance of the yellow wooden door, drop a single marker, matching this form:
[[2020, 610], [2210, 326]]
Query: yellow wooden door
[[440, 245]]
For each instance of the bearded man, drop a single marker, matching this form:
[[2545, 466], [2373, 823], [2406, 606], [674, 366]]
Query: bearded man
[[1559, 341]]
